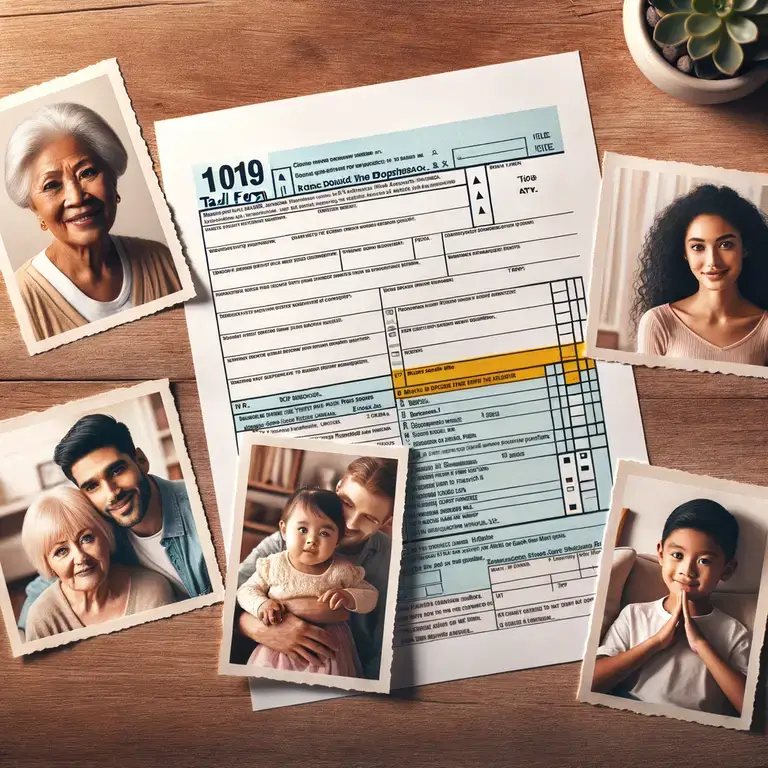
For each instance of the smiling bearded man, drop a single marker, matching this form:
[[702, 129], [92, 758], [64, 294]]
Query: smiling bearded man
[[152, 517]]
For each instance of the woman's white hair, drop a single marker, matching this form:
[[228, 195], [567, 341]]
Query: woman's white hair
[[34, 133], [55, 515]]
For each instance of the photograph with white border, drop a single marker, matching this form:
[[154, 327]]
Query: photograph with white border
[[679, 617], [680, 267], [86, 237], [314, 565], [101, 522]]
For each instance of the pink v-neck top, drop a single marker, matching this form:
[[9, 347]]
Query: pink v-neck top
[[662, 332]]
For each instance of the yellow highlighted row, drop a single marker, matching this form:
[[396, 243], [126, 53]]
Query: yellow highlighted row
[[484, 371], [476, 381]]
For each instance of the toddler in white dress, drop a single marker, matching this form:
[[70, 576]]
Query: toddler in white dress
[[312, 525]]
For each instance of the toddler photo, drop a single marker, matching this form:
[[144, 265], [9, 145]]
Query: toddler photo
[[681, 603], [314, 565]]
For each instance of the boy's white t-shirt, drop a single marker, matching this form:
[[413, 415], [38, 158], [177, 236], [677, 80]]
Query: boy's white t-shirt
[[152, 554], [677, 675]]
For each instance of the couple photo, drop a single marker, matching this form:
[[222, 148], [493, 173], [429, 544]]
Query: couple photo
[[312, 592], [112, 531]]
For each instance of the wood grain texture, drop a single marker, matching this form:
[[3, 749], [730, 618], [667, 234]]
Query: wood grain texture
[[151, 694]]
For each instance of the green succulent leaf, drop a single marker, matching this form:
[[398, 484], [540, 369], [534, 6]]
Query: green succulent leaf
[[685, 5], [761, 9], [699, 47], [671, 29], [704, 6], [724, 7], [698, 24], [744, 5], [705, 69], [665, 6], [729, 55], [741, 29]]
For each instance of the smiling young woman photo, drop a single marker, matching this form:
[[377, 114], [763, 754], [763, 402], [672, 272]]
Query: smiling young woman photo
[[702, 283], [62, 163]]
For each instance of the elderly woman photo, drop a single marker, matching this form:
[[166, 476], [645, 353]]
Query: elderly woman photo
[[702, 284], [63, 163], [66, 539]]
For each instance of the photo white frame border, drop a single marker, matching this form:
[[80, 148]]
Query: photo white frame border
[[79, 408], [625, 470], [111, 69], [613, 161], [399, 453]]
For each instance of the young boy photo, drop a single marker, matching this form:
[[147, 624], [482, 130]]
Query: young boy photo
[[681, 649], [682, 598]]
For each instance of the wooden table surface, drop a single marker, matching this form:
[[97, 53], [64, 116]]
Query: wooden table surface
[[152, 694]]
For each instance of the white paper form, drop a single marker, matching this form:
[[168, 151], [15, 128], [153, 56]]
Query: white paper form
[[407, 262]]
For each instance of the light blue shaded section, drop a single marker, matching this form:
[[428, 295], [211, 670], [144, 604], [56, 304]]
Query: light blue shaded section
[[466, 143]]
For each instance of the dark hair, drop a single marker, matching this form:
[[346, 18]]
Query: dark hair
[[663, 275], [377, 476], [89, 434], [708, 517], [317, 501]]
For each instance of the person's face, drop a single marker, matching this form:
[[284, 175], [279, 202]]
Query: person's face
[[364, 512], [310, 539], [80, 562], [73, 193], [693, 562], [116, 484], [714, 251]]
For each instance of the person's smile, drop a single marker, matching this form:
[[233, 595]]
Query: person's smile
[[86, 217], [123, 506], [86, 570], [715, 274]]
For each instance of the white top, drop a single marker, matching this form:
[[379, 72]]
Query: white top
[[277, 579], [151, 554], [89, 308], [677, 675]]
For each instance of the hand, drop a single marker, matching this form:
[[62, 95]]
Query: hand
[[270, 612], [297, 639], [692, 633], [312, 610], [337, 598], [667, 635]]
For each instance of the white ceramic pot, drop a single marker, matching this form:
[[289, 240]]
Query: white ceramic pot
[[669, 79]]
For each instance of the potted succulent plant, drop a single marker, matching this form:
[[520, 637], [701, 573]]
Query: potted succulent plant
[[700, 51]]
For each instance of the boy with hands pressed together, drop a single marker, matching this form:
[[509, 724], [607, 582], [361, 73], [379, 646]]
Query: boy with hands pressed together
[[681, 650]]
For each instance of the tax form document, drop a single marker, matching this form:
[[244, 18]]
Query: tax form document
[[408, 262]]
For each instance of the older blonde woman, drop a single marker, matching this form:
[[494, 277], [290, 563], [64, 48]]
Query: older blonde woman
[[63, 163], [65, 538]]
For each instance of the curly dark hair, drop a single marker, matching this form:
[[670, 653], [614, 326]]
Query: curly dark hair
[[664, 276]]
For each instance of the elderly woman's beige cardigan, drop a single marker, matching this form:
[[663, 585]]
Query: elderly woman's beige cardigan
[[51, 613], [154, 276]]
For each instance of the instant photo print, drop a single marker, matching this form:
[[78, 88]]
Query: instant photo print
[[680, 267], [78, 179], [680, 610], [101, 524], [318, 540]]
